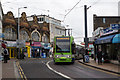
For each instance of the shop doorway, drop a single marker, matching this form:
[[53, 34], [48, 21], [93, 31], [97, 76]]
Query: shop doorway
[[35, 52]]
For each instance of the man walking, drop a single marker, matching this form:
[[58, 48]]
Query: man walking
[[99, 56], [6, 55]]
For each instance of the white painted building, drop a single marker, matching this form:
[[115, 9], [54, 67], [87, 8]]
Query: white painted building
[[119, 8]]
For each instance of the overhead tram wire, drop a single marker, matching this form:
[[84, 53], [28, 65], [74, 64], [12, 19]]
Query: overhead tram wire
[[94, 4], [71, 10]]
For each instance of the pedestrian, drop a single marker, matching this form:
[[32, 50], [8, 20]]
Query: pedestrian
[[6, 55], [35, 53], [51, 52], [83, 53], [92, 53], [99, 56]]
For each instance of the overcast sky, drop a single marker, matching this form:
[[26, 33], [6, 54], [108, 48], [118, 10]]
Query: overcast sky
[[58, 8]]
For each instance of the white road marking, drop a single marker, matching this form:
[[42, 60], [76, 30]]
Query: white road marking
[[58, 72]]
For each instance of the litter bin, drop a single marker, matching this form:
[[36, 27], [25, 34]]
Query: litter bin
[[44, 55], [86, 58]]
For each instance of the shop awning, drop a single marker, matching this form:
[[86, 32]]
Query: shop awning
[[116, 38], [107, 39], [1, 35]]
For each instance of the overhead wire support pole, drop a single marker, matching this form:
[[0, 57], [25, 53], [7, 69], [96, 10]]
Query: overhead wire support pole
[[85, 39]]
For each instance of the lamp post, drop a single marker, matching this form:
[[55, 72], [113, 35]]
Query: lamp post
[[18, 31], [85, 39]]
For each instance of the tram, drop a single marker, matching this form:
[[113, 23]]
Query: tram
[[64, 49]]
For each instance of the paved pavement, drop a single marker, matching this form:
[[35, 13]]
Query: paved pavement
[[115, 68], [9, 70]]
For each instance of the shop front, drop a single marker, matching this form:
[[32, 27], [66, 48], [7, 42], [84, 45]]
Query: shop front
[[46, 48], [116, 42], [36, 50], [27, 49], [110, 45], [11, 46]]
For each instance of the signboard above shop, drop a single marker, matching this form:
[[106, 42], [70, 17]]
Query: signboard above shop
[[20, 43], [37, 44], [11, 44], [97, 31], [110, 30]]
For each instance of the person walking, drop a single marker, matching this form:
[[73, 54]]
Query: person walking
[[99, 56], [6, 55], [92, 53]]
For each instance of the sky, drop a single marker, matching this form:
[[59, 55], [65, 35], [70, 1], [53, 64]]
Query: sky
[[59, 8]]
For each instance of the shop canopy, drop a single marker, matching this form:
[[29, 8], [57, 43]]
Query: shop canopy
[[107, 39], [1, 35], [116, 39]]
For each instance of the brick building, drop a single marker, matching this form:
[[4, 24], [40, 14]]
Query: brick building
[[107, 33], [104, 21]]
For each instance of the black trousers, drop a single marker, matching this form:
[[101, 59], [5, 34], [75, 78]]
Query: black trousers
[[5, 58], [99, 60]]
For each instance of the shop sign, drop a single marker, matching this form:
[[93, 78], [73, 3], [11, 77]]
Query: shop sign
[[115, 26], [27, 43], [112, 29], [37, 44], [46, 45], [11, 43], [97, 31], [20, 43]]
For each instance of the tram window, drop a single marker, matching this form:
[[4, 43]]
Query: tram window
[[63, 46]]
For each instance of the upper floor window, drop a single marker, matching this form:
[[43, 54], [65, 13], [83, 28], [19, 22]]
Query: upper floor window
[[24, 35], [45, 38], [40, 19], [10, 34], [35, 36], [104, 20]]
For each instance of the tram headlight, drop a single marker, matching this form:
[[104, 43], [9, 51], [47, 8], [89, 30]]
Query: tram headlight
[[57, 56], [68, 56]]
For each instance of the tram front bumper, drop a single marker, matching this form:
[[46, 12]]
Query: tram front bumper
[[63, 59]]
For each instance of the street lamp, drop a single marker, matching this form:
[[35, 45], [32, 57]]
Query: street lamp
[[18, 30]]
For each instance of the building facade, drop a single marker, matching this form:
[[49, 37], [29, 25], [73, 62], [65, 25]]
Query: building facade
[[55, 27], [34, 33], [107, 36], [104, 21]]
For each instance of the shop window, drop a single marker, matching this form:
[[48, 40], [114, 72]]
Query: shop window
[[104, 20]]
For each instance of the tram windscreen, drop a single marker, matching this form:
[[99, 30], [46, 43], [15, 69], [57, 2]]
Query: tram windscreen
[[63, 44]]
